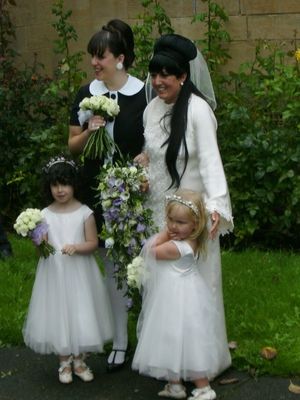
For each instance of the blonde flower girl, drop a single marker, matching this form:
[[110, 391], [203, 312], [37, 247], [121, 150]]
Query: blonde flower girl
[[177, 336]]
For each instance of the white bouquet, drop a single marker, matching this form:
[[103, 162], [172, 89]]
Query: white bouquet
[[135, 272], [30, 223], [99, 143]]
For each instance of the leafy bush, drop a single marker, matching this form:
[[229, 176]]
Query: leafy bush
[[214, 45], [34, 113], [258, 118], [152, 23]]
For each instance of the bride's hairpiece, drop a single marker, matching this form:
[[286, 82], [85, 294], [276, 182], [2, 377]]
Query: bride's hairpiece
[[180, 200], [59, 160]]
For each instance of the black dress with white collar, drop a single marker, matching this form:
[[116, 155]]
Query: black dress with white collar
[[127, 128]]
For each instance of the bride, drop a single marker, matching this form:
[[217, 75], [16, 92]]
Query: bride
[[181, 150]]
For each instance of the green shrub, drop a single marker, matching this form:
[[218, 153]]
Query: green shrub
[[34, 113], [259, 137], [214, 45], [152, 23]]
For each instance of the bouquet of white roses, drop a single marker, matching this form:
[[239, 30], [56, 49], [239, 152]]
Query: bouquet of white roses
[[128, 223], [99, 143], [135, 272], [30, 224]]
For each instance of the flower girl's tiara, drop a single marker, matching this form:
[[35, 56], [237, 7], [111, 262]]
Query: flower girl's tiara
[[59, 160], [180, 200]]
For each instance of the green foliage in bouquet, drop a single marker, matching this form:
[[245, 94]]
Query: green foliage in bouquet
[[127, 219]]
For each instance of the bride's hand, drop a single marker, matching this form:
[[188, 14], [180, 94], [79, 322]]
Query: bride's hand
[[215, 219], [142, 159], [144, 186]]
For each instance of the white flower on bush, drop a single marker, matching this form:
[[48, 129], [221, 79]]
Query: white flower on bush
[[134, 272]]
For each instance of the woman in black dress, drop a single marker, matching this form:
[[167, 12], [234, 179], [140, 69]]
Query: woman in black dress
[[112, 52]]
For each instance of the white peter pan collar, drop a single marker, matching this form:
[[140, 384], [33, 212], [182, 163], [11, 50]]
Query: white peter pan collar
[[131, 87]]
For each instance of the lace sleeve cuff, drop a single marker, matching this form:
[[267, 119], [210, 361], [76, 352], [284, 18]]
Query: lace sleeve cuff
[[223, 208]]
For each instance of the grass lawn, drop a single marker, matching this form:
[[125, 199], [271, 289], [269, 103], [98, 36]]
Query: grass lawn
[[261, 294], [262, 305]]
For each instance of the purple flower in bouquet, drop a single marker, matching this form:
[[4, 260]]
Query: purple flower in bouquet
[[117, 202], [127, 221], [140, 228], [112, 214], [129, 303], [37, 235], [30, 224]]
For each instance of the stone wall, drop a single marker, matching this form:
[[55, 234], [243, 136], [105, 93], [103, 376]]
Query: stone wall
[[249, 20]]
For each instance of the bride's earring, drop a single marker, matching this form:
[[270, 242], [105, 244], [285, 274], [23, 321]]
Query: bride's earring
[[119, 66]]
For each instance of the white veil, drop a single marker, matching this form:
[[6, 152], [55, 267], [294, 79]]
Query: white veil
[[150, 93], [200, 77]]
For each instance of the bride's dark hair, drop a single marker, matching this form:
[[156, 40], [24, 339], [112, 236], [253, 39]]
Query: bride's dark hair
[[172, 54]]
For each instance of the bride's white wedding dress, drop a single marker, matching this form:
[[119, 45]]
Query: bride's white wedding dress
[[204, 173]]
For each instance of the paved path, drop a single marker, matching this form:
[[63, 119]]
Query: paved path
[[25, 375]]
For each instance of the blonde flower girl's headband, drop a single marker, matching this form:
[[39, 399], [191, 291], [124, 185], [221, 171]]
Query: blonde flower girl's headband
[[180, 200]]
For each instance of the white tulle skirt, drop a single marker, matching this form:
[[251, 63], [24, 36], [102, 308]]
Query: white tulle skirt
[[177, 335], [69, 311]]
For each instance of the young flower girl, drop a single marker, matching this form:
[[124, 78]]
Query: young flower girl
[[69, 312], [177, 339]]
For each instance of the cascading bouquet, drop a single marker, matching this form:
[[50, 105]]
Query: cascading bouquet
[[30, 223], [128, 223], [99, 143]]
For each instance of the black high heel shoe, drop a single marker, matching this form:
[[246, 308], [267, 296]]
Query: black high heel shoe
[[113, 366]]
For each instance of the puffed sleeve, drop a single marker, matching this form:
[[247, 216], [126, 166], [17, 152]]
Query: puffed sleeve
[[210, 165], [86, 211]]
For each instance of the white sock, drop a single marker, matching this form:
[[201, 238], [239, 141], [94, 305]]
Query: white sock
[[120, 312]]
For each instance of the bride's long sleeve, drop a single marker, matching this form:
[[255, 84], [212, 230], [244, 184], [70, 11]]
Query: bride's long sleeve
[[210, 165]]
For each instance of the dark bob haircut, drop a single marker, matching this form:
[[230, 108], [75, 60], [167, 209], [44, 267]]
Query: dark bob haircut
[[117, 37], [64, 173]]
